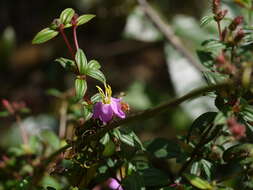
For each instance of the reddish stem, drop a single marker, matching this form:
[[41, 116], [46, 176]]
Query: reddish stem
[[71, 51], [75, 37]]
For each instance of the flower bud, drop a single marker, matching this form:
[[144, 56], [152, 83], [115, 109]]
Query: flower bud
[[74, 19], [237, 130], [235, 23], [220, 15], [216, 6], [239, 36], [8, 106]]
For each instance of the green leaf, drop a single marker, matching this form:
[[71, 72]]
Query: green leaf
[[87, 114], [128, 137], [81, 87], [206, 166], [96, 74], [163, 148], [96, 98], [238, 152], [205, 58], [220, 119], [206, 20], [198, 182], [84, 18], [54, 92], [109, 148], [93, 64], [195, 168], [200, 124], [44, 35], [213, 77], [105, 139], [133, 182], [67, 64], [81, 61], [247, 113], [67, 15]]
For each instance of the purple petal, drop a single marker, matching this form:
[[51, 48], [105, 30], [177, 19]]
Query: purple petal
[[113, 184], [116, 107], [106, 113], [97, 110]]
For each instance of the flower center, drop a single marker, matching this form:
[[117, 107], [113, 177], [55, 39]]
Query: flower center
[[107, 94]]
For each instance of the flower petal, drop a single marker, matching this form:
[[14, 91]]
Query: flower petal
[[97, 110], [116, 107], [114, 184], [106, 113]]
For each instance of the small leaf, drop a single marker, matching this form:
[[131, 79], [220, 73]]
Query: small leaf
[[44, 35], [87, 114], [206, 165], [205, 58], [54, 92], [206, 20], [96, 98], [67, 64], [247, 113], [67, 15], [198, 182], [93, 64], [81, 61], [163, 148], [84, 18], [195, 168], [81, 87], [201, 123], [96, 74], [109, 149], [105, 139]]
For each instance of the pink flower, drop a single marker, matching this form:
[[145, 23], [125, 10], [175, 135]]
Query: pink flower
[[105, 112], [108, 107]]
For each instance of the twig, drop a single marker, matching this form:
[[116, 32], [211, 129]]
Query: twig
[[71, 51], [63, 119], [23, 132], [167, 31], [75, 37]]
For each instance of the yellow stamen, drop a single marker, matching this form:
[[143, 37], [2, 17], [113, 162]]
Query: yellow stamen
[[106, 95]]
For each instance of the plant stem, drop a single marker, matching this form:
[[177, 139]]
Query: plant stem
[[67, 42], [75, 37], [71, 51], [23, 132], [219, 29], [63, 119], [169, 34]]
